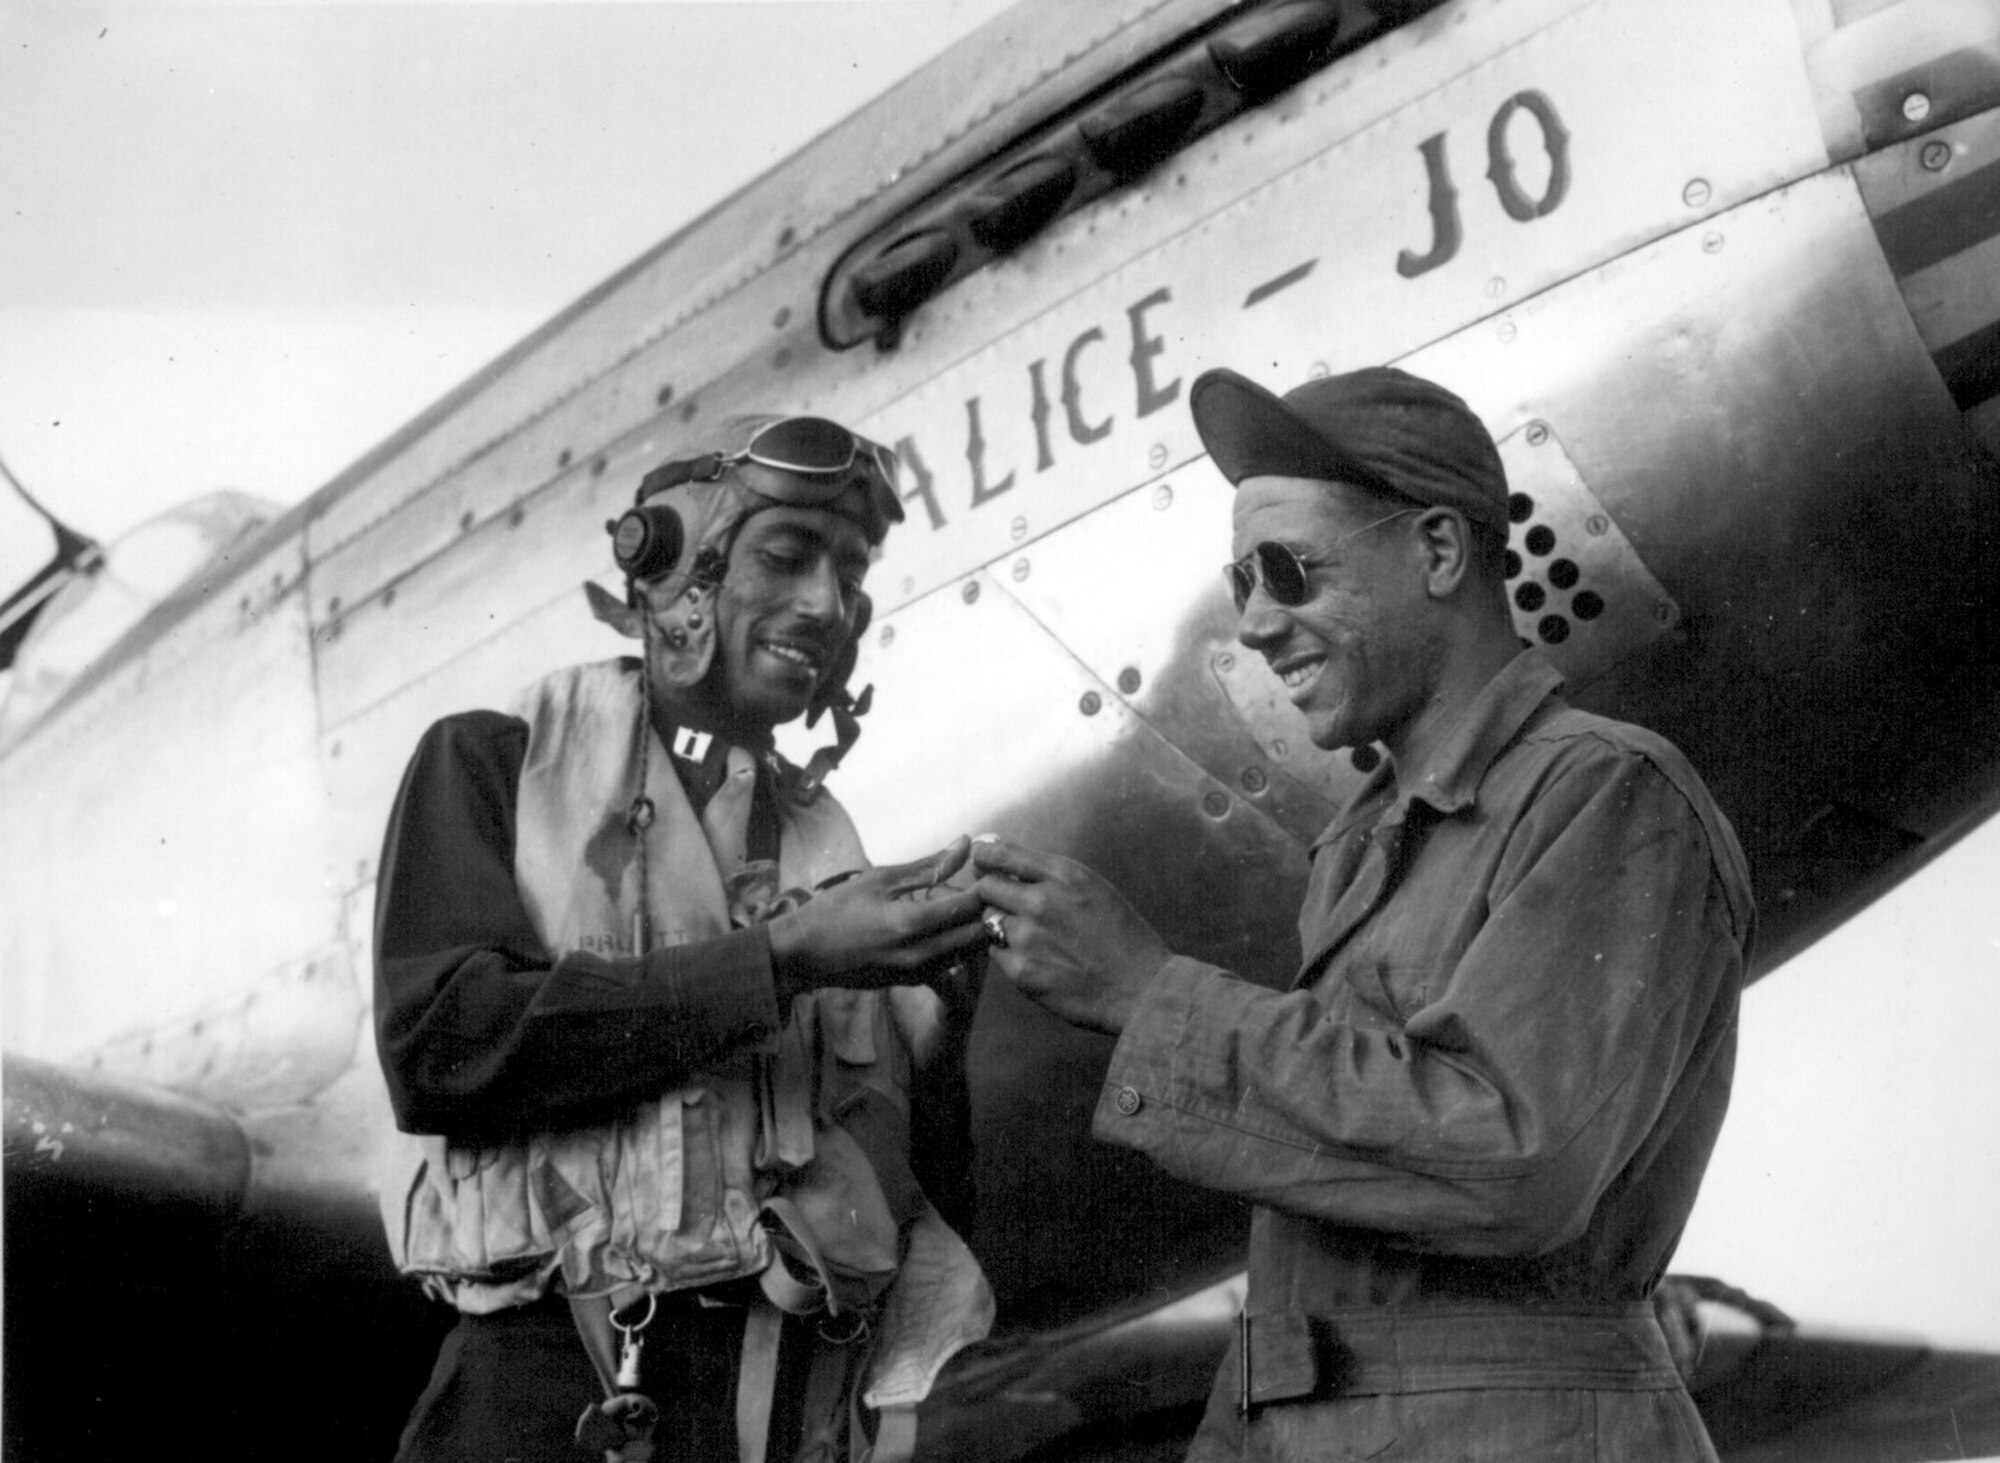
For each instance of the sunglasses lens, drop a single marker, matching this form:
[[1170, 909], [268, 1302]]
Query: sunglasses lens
[[803, 444], [1280, 570], [1284, 575], [1240, 584]]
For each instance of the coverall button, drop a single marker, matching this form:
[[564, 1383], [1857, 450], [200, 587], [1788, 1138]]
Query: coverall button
[[1127, 1100]]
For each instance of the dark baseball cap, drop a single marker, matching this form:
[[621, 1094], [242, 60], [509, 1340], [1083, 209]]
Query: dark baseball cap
[[1377, 428]]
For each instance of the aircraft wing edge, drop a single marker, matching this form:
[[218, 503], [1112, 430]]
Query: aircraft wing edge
[[74, 1139]]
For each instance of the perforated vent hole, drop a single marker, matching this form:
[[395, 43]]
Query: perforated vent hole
[[1554, 589]]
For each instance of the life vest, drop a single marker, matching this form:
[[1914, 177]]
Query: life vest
[[788, 1158]]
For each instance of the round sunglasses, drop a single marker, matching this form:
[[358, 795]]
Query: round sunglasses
[[1282, 570]]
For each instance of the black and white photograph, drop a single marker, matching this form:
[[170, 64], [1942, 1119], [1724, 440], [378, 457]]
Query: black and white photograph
[[1000, 731]]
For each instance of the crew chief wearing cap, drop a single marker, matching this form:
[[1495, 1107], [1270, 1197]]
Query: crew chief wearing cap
[[1473, 1128], [697, 1085]]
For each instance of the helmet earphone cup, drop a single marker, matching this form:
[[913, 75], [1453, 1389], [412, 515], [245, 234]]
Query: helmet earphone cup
[[646, 541]]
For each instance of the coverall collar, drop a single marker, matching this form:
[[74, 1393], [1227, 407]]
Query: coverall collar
[[1448, 782]]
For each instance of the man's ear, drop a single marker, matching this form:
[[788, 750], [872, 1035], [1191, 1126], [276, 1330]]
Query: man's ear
[[613, 611], [1447, 543]]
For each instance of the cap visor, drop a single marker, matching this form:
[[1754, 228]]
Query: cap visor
[[1249, 431]]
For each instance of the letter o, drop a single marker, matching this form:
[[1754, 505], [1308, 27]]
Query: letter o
[[1500, 162]]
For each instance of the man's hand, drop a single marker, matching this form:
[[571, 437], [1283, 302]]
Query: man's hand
[[898, 925], [1073, 944], [959, 984]]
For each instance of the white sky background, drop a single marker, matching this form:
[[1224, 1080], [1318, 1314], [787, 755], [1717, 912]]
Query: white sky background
[[240, 244]]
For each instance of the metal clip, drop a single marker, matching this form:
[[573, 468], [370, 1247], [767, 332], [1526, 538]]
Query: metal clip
[[630, 1342], [843, 1331]]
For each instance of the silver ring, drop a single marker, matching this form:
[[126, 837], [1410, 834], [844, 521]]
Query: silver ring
[[996, 929]]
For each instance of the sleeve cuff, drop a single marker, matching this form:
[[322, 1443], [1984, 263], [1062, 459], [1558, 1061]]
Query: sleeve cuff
[[730, 990], [1137, 1085]]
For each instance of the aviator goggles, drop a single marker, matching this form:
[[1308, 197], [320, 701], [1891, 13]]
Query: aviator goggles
[[799, 447], [814, 447], [1282, 570]]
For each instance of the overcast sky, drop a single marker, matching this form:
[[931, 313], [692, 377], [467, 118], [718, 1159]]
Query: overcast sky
[[243, 243]]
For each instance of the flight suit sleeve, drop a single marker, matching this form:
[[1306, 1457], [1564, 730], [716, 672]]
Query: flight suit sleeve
[[479, 1030], [1490, 1120]]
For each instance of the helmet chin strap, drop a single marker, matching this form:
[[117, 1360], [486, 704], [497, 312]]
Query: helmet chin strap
[[686, 706], [639, 812], [846, 710]]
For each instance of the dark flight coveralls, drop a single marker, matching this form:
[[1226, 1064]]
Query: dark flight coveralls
[[1474, 1128]]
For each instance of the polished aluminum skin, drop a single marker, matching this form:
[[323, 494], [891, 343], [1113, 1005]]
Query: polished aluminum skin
[[1731, 318]]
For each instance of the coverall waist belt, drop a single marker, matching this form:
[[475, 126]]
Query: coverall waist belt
[[1294, 1355]]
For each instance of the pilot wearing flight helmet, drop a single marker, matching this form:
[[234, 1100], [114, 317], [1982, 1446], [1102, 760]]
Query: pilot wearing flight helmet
[[1474, 1126], [690, 1073]]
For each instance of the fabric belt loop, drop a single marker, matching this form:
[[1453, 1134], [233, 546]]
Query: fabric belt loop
[[785, 1290], [757, 1382]]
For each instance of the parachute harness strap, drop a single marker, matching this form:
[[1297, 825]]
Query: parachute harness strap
[[639, 815]]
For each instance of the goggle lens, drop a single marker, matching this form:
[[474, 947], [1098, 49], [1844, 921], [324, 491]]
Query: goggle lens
[[816, 447]]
